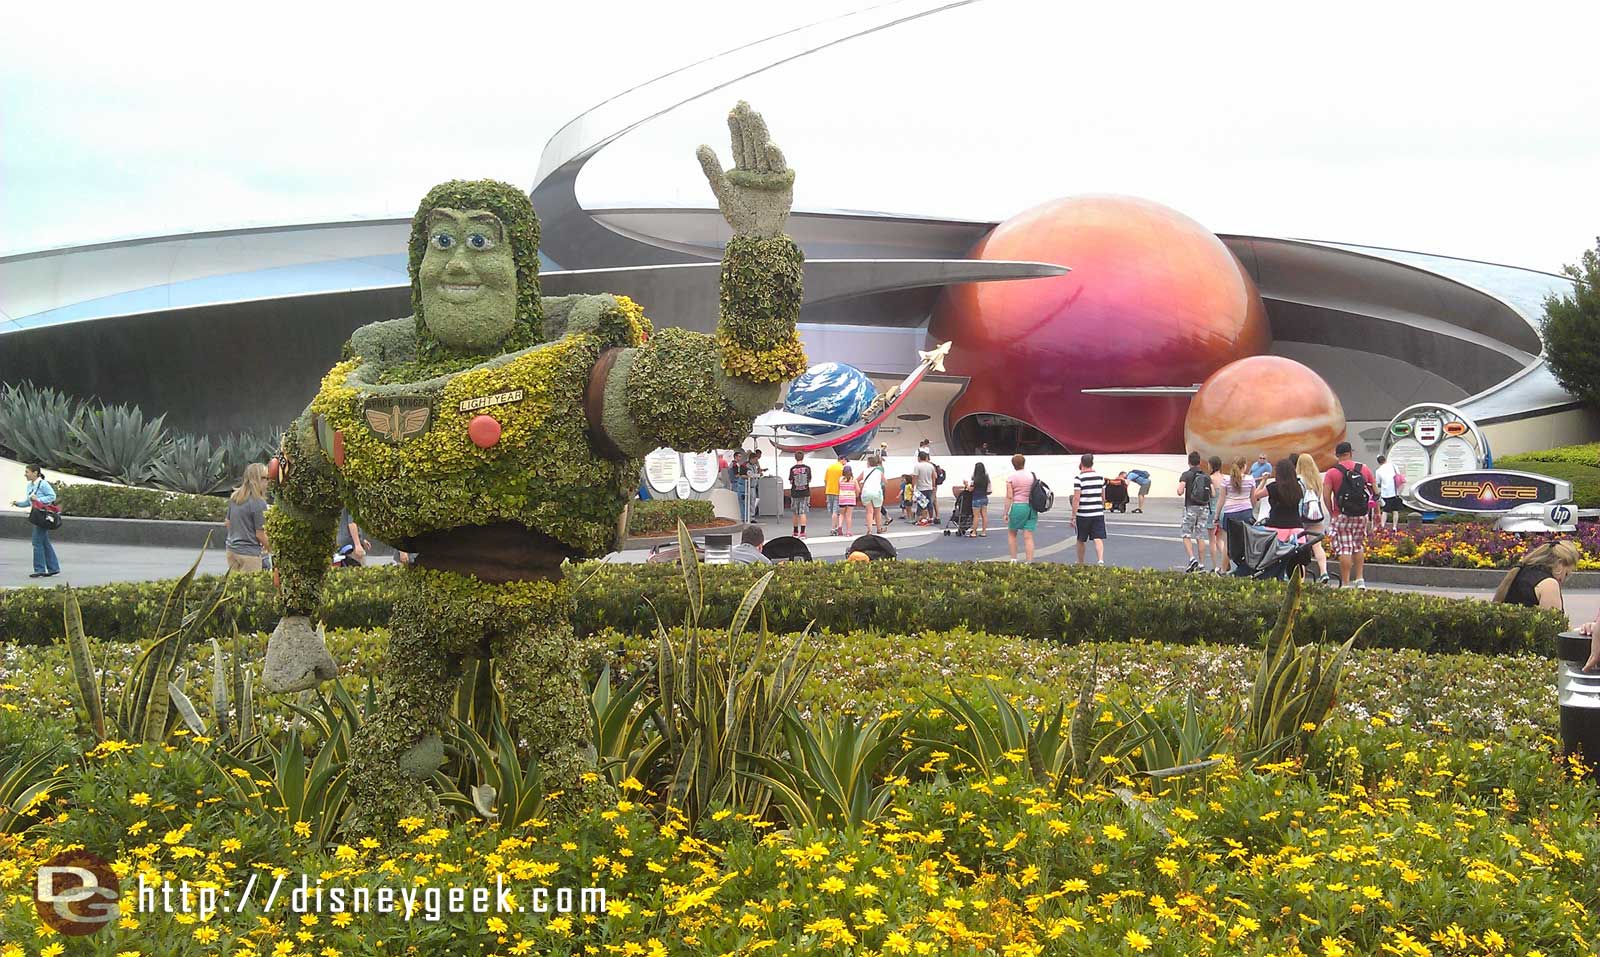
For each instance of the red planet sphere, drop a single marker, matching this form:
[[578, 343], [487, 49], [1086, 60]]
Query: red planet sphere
[[1153, 299], [1265, 404]]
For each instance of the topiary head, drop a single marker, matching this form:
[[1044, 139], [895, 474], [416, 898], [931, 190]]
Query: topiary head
[[474, 263]]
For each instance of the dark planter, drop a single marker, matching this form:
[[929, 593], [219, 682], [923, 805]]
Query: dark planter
[[1579, 695]]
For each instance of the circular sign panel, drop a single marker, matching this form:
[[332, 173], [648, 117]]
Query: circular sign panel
[[1410, 459], [662, 469], [684, 490], [1455, 454], [700, 468]]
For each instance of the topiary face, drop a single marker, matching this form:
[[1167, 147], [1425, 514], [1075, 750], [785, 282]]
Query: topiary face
[[469, 279], [456, 322]]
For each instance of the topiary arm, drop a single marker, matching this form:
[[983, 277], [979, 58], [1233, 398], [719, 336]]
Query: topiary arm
[[694, 392], [761, 267], [300, 524]]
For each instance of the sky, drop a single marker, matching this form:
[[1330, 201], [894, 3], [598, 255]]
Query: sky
[[1464, 129]]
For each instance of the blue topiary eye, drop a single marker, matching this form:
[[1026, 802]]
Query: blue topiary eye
[[479, 241], [444, 240]]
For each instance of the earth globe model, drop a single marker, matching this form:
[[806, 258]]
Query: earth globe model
[[833, 392]]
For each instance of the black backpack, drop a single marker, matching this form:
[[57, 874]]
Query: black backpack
[[1040, 498], [938, 475], [1197, 488], [1355, 496]]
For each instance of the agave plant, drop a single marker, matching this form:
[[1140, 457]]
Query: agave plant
[[145, 710], [1056, 751], [510, 789], [24, 787], [626, 745], [718, 712], [116, 443], [835, 772], [241, 448], [232, 702], [190, 464], [1294, 689], [35, 424], [303, 776]]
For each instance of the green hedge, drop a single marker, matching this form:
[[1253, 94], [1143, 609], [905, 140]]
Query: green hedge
[[1572, 454], [1046, 601], [659, 516], [1578, 464], [124, 501]]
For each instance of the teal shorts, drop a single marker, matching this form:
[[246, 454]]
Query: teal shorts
[[1022, 517]]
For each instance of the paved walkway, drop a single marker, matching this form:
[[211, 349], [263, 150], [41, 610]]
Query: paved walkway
[[1149, 540]]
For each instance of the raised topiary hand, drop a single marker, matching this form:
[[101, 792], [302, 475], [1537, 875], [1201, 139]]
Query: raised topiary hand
[[756, 194]]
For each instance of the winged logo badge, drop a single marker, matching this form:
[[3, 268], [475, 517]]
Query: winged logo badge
[[396, 418]]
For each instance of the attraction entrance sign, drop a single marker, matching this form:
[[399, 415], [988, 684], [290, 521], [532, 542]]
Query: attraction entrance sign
[[1489, 491], [1432, 439]]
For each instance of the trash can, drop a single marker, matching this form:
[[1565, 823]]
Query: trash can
[[1579, 695], [719, 550]]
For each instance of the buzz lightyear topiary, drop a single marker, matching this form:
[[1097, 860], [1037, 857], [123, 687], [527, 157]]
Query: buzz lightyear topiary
[[494, 434]]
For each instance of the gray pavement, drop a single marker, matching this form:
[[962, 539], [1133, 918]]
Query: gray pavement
[[1149, 540]]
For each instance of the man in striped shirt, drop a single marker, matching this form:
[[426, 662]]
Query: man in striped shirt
[[1089, 508]]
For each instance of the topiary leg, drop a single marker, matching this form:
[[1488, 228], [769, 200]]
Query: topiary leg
[[537, 674], [388, 756]]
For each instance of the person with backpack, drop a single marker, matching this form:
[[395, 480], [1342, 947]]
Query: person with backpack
[[1312, 510], [1194, 487], [1348, 489], [1022, 518], [1142, 479], [1089, 508], [939, 478]]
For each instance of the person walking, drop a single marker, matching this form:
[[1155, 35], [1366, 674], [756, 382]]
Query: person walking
[[799, 494], [738, 480], [1089, 509], [1237, 511], [980, 500], [42, 496], [1347, 489], [246, 540], [924, 473], [351, 546], [874, 486], [1389, 478], [1021, 518], [1312, 510], [830, 489], [1142, 479], [847, 501], [1216, 539], [1194, 488]]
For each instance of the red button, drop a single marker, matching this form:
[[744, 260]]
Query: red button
[[484, 431]]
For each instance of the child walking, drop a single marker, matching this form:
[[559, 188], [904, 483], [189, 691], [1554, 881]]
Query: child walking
[[847, 501]]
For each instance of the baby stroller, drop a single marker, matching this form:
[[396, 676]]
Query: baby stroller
[[1276, 552], [960, 514], [786, 548], [1117, 496]]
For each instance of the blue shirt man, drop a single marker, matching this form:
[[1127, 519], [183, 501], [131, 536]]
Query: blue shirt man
[[1262, 467]]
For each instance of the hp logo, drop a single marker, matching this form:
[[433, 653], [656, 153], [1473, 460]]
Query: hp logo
[[1560, 515]]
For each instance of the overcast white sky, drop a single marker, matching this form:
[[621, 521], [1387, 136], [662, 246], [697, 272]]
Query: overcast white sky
[[1459, 128]]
